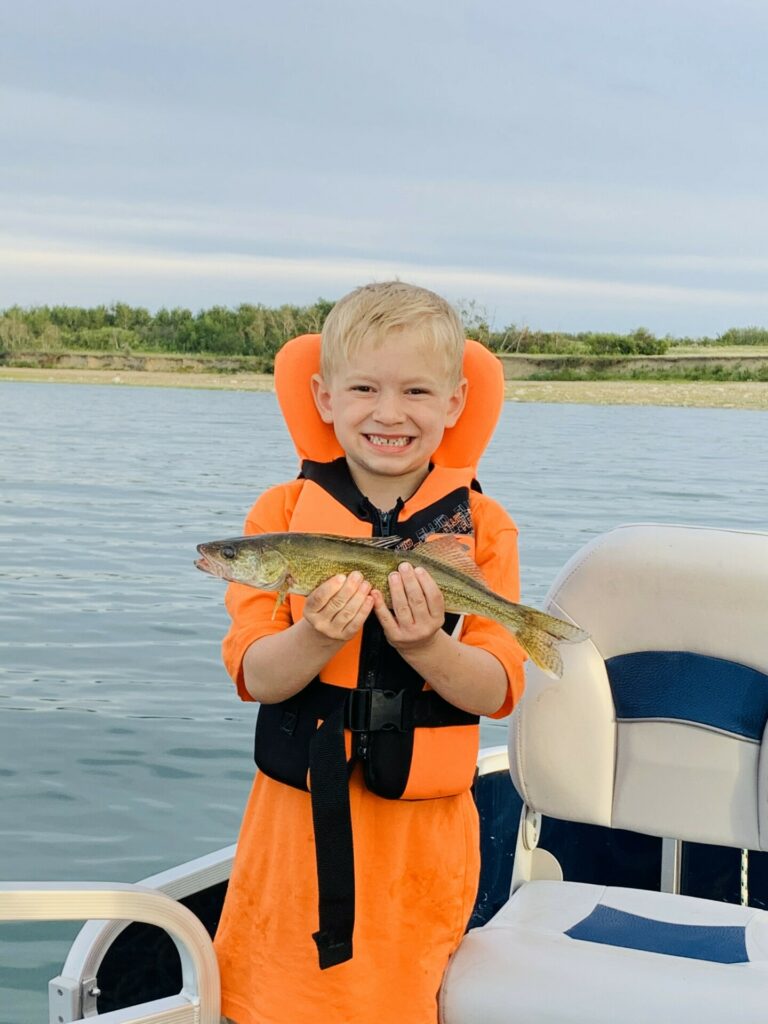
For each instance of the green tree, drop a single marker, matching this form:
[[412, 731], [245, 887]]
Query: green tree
[[744, 336], [14, 333]]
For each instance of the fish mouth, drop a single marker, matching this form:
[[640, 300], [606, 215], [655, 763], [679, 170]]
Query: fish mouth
[[205, 563]]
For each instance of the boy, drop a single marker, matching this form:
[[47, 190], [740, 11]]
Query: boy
[[390, 384]]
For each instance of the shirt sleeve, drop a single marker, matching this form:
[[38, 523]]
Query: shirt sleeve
[[251, 610], [496, 554]]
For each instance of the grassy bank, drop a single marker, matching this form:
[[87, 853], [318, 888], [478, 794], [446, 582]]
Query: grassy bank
[[747, 364], [708, 365], [692, 394]]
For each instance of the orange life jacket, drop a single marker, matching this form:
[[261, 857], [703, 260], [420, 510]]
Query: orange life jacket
[[368, 704]]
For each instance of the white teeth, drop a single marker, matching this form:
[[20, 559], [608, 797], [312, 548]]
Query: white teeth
[[389, 442]]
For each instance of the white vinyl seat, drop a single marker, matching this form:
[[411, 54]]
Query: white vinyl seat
[[529, 964], [658, 725]]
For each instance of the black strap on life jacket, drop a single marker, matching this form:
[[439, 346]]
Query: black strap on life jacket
[[334, 848], [363, 712]]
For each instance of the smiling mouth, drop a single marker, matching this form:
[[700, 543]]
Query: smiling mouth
[[380, 441]]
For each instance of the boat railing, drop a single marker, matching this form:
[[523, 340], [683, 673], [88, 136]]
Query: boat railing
[[199, 1000], [95, 938], [493, 759]]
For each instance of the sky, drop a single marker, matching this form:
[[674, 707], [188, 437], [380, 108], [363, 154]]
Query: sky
[[566, 165]]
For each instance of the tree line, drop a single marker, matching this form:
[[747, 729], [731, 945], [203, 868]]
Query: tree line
[[640, 341], [258, 331]]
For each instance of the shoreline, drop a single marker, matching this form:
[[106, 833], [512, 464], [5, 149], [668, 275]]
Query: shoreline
[[688, 394]]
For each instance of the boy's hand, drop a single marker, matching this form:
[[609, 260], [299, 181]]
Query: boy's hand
[[338, 608], [418, 606]]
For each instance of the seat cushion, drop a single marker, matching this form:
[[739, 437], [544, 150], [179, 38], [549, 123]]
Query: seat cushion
[[561, 952]]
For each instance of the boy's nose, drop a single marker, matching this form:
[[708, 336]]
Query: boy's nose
[[388, 410]]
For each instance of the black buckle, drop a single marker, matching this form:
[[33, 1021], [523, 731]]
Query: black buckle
[[375, 710]]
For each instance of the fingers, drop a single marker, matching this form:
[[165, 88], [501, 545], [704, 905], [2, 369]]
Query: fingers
[[416, 587], [402, 593], [322, 594], [418, 609], [353, 598], [338, 608], [383, 614]]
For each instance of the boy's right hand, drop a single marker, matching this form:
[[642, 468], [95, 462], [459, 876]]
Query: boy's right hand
[[338, 608]]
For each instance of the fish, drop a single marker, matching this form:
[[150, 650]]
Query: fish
[[296, 563]]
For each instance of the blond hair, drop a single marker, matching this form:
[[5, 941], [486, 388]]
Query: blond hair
[[370, 313]]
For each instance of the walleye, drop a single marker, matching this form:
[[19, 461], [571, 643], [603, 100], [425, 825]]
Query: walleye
[[296, 563]]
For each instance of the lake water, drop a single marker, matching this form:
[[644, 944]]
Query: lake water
[[123, 749]]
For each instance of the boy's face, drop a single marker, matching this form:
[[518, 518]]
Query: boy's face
[[389, 407]]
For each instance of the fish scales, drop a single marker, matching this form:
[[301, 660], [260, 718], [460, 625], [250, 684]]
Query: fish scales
[[311, 568]]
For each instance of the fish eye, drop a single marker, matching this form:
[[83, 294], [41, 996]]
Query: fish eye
[[228, 551]]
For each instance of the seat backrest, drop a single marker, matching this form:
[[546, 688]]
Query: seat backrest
[[658, 723]]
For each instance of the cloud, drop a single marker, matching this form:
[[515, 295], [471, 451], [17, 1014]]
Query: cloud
[[258, 277], [571, 165]]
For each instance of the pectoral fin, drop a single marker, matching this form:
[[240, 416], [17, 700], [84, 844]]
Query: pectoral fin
[[279, 598]]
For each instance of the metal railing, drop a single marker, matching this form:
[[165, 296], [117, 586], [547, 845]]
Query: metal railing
[[199, 1001], [95, 938]]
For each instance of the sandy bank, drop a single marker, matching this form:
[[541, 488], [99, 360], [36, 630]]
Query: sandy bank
[[695, 394]]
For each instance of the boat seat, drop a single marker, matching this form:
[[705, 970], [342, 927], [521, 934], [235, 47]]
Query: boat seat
[[658, 725]]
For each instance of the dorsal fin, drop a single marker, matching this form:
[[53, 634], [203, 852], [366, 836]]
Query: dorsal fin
[[367, 542], [449, 550]]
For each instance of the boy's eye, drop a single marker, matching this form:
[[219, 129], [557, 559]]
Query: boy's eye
[[417, 391], [365, 388]]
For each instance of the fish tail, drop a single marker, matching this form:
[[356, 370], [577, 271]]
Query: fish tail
[[539, 633], [541, 649], [558, 629]]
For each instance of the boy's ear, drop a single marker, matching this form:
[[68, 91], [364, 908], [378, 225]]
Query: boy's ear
[[322, 397], [456, 403]]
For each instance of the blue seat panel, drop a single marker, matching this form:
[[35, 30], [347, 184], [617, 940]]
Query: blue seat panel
[[691, 688], [611, 927]]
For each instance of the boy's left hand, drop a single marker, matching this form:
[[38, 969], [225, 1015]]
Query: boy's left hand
[[418, 607]]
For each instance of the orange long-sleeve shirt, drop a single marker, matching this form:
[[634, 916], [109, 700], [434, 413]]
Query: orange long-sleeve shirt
[[416, 861]]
